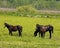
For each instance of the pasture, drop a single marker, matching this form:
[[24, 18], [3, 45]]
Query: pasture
[[28, 40]]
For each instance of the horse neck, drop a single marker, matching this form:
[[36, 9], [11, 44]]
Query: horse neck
[[8, 25]]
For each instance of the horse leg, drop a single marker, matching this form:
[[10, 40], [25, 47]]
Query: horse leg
[[39, 34], [50, 34], [19, 33], [44, 34], [19, 30], [10, 32], [35, 33]]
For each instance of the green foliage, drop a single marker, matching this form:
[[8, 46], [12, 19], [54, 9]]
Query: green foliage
[[26, 10], [11, 13], [38, 4], [47, 5]]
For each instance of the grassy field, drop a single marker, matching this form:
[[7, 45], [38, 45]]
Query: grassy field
[[28, 40]]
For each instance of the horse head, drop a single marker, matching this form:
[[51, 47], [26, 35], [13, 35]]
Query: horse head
[[35, 34], [6, 25]]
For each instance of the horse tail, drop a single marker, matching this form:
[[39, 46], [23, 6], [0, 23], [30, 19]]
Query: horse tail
[[21, 28], [52, 29]]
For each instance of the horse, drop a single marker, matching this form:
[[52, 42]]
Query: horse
[[42, 29], [13, 28]]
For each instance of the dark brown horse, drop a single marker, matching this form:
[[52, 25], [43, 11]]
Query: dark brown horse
[[41, 29], [14, 28]]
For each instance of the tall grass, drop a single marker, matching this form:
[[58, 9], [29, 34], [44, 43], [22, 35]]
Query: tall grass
[[28, 40]]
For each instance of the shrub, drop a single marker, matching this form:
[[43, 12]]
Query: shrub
[[26, 10]]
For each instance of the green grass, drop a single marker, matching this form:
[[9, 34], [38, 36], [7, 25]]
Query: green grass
[[28, 40]]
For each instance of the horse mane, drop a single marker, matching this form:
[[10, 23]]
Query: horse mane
[[7, 25], [37, 25]]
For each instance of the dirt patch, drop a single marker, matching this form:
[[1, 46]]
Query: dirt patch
[[42, 11], [49, 11], [7, 9]]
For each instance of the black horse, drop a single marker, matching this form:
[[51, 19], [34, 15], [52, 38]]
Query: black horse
[[14, 28], [41, 29]]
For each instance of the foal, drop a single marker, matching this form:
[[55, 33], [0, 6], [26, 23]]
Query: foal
[[14, 28], [43, 29]]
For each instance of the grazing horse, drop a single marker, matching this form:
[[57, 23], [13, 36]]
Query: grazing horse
[[41, 29], [14, 28]]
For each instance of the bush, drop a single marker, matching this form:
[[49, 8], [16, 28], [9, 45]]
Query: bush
[[26, 10]]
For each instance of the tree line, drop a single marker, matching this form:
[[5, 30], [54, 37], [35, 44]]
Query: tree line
[[38, 4]]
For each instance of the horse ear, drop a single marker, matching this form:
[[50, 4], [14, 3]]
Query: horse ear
[[37, 24]]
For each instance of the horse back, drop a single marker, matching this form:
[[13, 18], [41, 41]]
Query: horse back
[[13, 28], [43, 29]]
